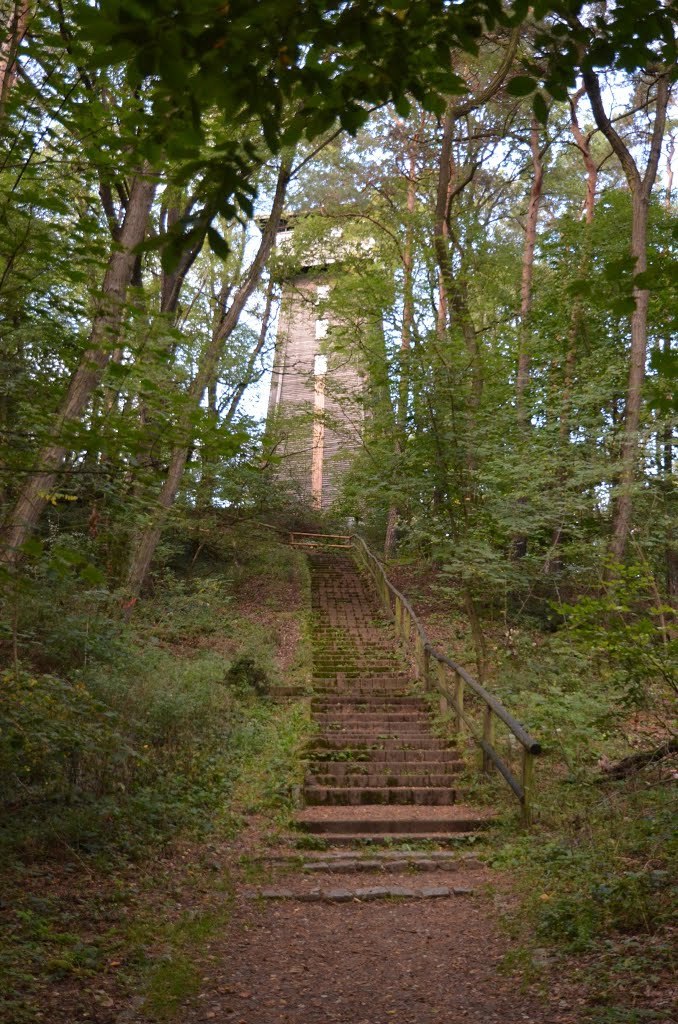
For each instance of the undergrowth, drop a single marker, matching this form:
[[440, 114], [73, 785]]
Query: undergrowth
[[160, 730], [596, 875]]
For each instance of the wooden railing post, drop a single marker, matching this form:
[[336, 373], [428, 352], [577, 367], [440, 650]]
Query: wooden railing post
[[440, 677], [459, 723], [399, 618], [528, 786], [488, 736], [426, 665], [418, 651]]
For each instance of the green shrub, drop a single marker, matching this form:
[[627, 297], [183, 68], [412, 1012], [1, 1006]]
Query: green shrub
[[55, 738]]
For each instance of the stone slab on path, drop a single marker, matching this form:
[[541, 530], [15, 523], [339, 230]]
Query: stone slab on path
[[374, 892], [402, 883]]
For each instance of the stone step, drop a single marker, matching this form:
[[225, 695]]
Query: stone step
[[386, 765], [368, 630], [327, 674], [349, 842], [376, 702], [378, 736], [376, 727], [424, 744], [336, 796], [352, 660], [353, 670], [352, 645], [367, 701], [375, 731], [373, 716], [354, 655], [373, 741], [414, 722], [398, 829], [384, 680], [357, 657], [324, 686], [356, 780], [380, 753], [318, 861], [351, 716]]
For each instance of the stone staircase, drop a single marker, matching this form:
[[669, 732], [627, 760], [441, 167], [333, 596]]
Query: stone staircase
[[377, 771]]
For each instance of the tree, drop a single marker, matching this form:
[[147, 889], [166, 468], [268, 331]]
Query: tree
[[147, 540], [640, 186], [35, 494]]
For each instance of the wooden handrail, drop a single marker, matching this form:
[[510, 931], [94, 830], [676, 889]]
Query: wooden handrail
[[406, 621], [332, 536], [316, 540]]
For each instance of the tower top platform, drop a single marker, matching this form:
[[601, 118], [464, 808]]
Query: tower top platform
[[331, 248]]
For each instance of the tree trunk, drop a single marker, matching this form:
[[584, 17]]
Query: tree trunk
[[35, 493], [447, 188], [641, 190], [405, 336], [629, 445], [207, 476], [668, 439], [554, 562], [14, 29], [171, 285], [148, 539], [479, 644], [454, 293], [523, 374], [248, 375]]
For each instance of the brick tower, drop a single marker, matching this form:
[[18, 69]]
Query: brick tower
[[315, 405]]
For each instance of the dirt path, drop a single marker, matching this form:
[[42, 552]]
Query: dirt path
[[433, 960]]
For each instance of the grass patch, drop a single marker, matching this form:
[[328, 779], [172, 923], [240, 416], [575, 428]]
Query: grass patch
[[172, 982]]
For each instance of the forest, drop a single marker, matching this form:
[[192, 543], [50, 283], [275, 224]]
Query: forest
[[501, 175]]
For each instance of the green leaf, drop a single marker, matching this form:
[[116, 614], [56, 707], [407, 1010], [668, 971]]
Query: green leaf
[[540, 108], [624, 306], [521, 85], [69, 556], [434, 103], [118, 370], [617, 269], [647, 279], [402, 106], [91, 574], [580, 287], [218, 243], [353, 119], [665, 363], [32, 547]]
